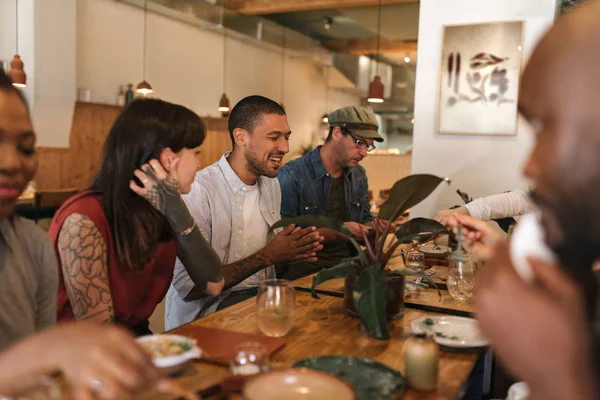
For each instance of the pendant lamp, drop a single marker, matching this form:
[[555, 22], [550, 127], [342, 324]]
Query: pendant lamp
[[17, 73], [376, 86], [144, 88]]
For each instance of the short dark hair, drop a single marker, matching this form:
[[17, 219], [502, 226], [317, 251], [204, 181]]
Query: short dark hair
[[345, 132], [7, 86], [248, 112]]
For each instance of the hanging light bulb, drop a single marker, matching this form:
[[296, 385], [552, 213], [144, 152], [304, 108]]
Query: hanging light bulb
[[17, 72], [144, 88], [325, 119], [224, 104], [407, 59], [376, 89]]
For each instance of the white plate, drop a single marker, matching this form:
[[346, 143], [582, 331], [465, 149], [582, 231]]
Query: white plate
[[175, 363], [457, 332]]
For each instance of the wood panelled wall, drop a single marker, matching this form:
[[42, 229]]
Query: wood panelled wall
[[78, 164]]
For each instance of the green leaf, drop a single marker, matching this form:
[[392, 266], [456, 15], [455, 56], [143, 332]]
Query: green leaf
[[420, 230], [341, 270], [407, 193], [419, 273], [369, 299], [323, 222]]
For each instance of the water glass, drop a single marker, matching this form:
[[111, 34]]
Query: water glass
[[415, 260], [462, 276], [250, 358], [275, 307]]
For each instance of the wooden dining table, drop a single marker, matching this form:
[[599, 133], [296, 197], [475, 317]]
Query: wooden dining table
[[427, 299], [323, 328]]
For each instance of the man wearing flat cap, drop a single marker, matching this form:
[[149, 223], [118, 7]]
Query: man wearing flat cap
[[330, 182]]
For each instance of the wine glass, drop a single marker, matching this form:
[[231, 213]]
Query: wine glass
[[462, 275], [415, 260], [275, 307]]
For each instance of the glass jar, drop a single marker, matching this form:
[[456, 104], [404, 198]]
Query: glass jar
[[421, 357]]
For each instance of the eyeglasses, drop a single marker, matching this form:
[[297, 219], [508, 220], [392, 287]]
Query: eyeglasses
[[360, 143]]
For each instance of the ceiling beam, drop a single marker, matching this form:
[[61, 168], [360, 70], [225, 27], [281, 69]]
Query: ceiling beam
[[259, 7], [369, 46]]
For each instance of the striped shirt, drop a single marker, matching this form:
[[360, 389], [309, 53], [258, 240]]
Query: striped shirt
[[216, 202]]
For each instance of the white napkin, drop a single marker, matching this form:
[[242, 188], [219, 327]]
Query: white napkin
[[518, 391], [528, 241]]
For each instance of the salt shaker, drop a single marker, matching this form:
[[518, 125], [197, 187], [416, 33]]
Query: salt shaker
[[421, 356]]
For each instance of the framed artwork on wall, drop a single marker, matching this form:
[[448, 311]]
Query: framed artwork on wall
[[479, 79]]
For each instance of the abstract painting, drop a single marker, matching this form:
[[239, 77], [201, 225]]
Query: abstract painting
[[479, 80]]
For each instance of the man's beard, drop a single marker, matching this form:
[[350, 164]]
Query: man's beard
[[257, 167], [577, 247], [578, 244]]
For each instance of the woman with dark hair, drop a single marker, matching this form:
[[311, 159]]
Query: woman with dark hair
[[28, 277], [117, 242]]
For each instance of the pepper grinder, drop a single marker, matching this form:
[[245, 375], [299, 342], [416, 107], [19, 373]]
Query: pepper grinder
[[421, 356]]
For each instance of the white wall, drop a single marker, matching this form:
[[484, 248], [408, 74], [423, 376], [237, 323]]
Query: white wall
[[185, 66], [47, 32], [54, 77], [478, 165]]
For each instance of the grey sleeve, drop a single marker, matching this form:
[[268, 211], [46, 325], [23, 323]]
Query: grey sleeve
[[199, 208], [47, 287]]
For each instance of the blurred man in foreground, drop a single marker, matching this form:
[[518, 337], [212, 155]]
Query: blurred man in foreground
[[543, 331]]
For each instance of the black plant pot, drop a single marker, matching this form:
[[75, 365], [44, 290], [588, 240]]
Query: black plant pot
[[394, 296]]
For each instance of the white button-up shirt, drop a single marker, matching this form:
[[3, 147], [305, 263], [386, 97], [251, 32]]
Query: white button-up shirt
[[216, 202]]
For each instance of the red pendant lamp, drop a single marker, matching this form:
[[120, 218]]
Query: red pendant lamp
[[224, 106], [376, 89], [17, 73], [144, 88]]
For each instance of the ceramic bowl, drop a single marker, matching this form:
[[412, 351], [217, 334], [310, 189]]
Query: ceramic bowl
[[297, 384], [439, 252], [170, 364]]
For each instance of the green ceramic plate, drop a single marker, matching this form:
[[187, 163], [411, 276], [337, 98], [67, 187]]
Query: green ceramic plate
[[371, 380]]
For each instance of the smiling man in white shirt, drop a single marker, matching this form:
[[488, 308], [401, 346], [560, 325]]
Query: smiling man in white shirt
[[234, 202]]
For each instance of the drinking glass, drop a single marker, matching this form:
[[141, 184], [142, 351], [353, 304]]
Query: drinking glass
[[415, 260], [462, 275], [275, 307], [250, 358]]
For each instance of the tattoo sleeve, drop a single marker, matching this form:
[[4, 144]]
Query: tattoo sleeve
[[83, 259], [199, 259], [236, 272]]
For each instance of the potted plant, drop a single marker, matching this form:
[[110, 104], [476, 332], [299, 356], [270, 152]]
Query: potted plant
[[374, 292]]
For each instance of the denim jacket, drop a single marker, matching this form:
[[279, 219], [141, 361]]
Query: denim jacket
[[306, 186]]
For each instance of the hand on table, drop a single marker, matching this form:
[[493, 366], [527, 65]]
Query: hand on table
[[377, 224], [540, 331], [355, 229]]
